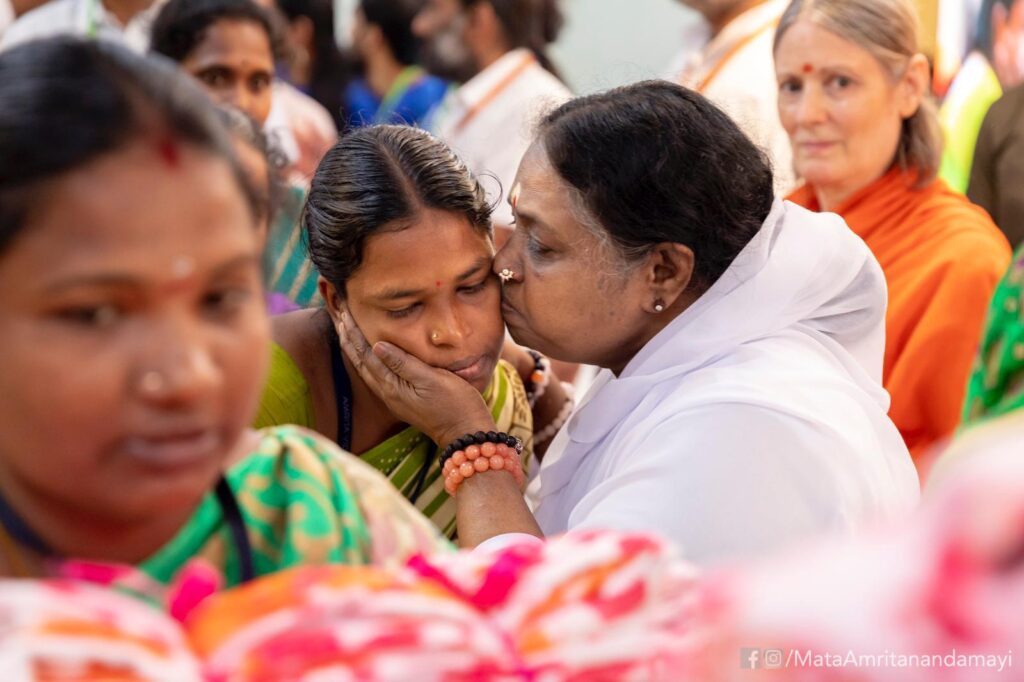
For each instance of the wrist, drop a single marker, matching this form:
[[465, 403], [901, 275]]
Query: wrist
[[446, 436], [481, 453]]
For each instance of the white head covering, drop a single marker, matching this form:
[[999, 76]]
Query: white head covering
[[786, 347]]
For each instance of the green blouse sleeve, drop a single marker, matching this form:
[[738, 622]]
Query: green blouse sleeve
[[286, 398]]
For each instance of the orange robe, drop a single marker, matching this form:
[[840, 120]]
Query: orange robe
[[942, 257]]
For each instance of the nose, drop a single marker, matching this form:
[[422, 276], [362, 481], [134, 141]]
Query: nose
[[448, 328], [239, 97], [506, 258], [179, 369], [811, 107]]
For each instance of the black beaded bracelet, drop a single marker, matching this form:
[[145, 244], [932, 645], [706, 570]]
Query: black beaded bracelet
[[479, 438]]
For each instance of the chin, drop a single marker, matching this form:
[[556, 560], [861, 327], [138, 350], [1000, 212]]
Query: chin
[[817, 173], [484, 381]]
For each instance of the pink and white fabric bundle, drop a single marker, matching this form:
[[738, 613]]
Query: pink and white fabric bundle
[[594, 606], [939, 600], [72, 632]]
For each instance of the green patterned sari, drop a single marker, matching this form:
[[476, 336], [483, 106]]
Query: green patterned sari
[[303, 502], [401, 458]]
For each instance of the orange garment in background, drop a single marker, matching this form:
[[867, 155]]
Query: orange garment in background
[[942, 257]]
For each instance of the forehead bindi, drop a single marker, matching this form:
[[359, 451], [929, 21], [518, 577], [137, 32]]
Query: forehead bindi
[[169, 151]]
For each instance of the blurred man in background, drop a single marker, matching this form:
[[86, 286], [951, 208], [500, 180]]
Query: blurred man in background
[[734, 68], [126, 21], [496, 51]]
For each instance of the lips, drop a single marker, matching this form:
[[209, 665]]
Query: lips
[[174, 449], [815, 146], [470, 369]]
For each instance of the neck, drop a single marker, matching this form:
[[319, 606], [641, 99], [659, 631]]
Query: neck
[[300, 74], [719, 22], [655, 325], [372, 421], [831, 196], [125, 10], [70, 532], [381, 71], [490, 53], [375, 421]]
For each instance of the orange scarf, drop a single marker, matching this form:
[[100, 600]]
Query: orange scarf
[[942, 257]]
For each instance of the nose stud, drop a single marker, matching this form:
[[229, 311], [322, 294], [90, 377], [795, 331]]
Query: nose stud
[[152, 382], [506, 275]]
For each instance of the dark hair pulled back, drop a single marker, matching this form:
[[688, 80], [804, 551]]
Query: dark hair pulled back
[[94, 98], [655, 162], [181, 25], [379, 178]]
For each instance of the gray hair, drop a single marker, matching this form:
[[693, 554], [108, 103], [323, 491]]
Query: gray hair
[[888, 29]]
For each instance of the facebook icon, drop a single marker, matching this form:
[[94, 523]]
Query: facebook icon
[[749, 658]]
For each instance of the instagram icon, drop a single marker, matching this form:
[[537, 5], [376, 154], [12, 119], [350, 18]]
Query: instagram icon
[[773, 658]]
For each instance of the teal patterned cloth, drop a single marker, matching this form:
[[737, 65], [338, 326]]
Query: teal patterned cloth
[[289, 270]]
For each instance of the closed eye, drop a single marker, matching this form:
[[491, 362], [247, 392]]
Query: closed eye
[[403, 312], [475, 288]]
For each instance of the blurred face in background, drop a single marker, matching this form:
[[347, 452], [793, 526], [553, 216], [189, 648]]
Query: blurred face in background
[[842, 108], [235, 64], [442, 26], [1008, 43]]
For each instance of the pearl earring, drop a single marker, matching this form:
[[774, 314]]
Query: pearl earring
[[659, 307]]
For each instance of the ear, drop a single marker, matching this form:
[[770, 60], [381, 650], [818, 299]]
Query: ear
[[913, 85], [300, 32], [482, 21], [332, 299], [669, 272]]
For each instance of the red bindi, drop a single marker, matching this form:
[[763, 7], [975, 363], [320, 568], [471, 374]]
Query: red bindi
[[808, 68], [168, 150], [437, 284]]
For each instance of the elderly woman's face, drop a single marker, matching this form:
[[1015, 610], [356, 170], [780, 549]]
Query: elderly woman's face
[[842, 110], [568, 298]]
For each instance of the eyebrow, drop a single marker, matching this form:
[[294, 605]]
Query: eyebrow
[[126, 280], [482, 263], [531, 219]]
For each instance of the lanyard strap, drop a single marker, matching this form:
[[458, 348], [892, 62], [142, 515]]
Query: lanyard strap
[[731, 53], [342, 392], [527, 61], [24, 535], [408, 77], [236, 526]]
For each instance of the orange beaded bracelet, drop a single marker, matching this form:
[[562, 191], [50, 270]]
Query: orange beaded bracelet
[[476, 459]]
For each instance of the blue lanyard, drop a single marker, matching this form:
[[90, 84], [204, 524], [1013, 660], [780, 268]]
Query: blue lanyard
[[22, 533]]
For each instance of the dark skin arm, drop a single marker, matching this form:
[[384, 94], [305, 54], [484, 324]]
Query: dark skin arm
[[444, 407]]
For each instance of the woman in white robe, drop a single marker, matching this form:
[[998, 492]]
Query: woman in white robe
[[741, 407]]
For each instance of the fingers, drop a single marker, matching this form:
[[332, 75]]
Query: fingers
[[360, 354], [408, 367]]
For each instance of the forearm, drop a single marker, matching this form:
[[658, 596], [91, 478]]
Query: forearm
[[491, 504]]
